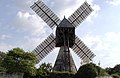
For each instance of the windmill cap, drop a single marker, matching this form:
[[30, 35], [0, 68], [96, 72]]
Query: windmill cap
[[65, 23]]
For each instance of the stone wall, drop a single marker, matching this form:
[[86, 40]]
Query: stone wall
[[15, 75], [20, 75], [105, 77]]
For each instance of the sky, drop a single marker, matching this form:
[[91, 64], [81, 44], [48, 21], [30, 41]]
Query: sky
[[21, 27]]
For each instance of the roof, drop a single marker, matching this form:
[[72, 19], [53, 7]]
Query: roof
[[65, 23]]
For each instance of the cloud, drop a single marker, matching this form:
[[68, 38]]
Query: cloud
[[114, 2], [106, 48], [30, 23], [22, 4], [27, 21], [28, 43], [94, 14], [2, 37], [4, 47], [67, 7], [31, 43]]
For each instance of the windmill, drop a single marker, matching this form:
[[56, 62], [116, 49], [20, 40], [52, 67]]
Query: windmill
[[65, 37]]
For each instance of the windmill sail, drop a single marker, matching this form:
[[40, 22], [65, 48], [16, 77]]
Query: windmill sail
[[82, 50], [80, 14], [46, 14], [45, 47]]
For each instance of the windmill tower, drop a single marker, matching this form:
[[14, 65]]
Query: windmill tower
[[65, 37]]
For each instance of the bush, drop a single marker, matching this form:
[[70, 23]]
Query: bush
[[61, 74], [115, 76], [90, 71], [87, 71], [101, 72]]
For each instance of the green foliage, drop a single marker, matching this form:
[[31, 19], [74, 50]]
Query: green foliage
[[101, 72], [109, 70], [61, 74], [2, 69], [44, 69], [90, 71], [115, 76], [2, 55], [17, 60], [115, 70], [87, 71]]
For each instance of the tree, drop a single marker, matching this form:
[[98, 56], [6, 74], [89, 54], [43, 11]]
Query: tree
[[17, 60], [2, 55], [115, 76], [87, 71], [101, 71], [116, 69], [44, 69], [109, 70], [90, 71]]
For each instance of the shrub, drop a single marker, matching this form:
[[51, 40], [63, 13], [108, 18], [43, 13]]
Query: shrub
[[87, 71], [90, 71], [61, 74], [115, 76]]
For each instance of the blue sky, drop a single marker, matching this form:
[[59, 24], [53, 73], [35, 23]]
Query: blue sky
[[21, 27]]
